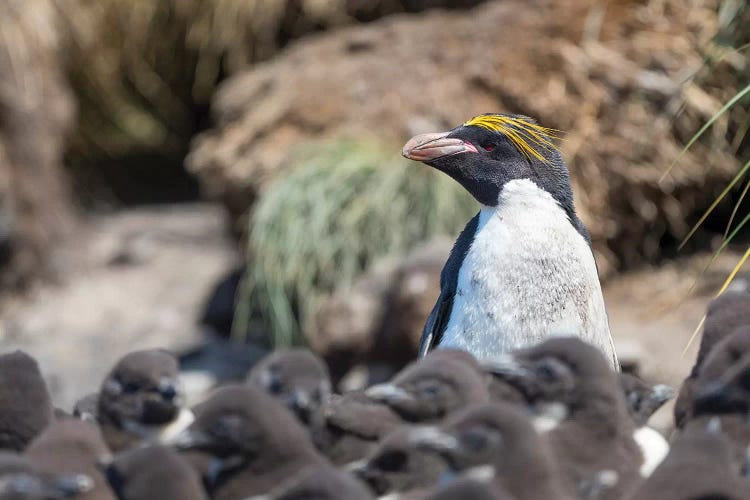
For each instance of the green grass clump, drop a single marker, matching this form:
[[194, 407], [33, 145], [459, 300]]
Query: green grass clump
[[343, 205]]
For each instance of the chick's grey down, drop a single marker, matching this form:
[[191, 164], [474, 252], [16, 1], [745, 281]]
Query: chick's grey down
[[522, 270]]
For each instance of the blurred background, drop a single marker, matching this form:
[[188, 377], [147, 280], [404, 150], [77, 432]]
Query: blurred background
[[220, 177]]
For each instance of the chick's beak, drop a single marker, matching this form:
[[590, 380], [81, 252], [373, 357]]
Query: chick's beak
[[428, 147]]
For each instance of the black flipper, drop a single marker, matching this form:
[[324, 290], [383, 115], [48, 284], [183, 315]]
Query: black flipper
[[438, 318]]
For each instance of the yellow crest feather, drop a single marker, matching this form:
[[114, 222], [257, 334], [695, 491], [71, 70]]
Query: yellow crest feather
[[526, 136]]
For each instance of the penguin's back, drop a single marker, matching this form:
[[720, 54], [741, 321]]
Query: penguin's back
[[528, 275]]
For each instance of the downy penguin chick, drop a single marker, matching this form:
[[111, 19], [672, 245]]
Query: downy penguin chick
[[643, 399], [71, 447], [715, 375], [319, 482], [250, 440], [140, 401], [578, 401], [352, 427], [298, 379], [429, 389], [153, 471], [498, 441], [397, 465], [726, 314], [25, 405], [721, 391], [87, 408], [522, 270], [699, 465], [20, 480]]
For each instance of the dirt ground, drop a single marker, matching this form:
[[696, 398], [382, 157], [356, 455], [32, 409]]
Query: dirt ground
[[141, 279], [136, 280]]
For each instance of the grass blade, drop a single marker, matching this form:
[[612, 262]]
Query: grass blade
[[742, 93], [710, 209], [721, 248], [736, 207], [734, 272], [723, 288], [695, 334]]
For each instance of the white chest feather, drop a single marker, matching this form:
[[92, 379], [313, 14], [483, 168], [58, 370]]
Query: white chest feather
[[528, 275]]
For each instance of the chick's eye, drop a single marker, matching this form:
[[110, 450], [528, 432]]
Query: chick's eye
[[392, 461], [551, 369], [475, 440], [129, 388], [430, 390]]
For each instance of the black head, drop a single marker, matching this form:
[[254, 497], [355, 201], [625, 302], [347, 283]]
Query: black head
[[141, 388], [491, 149], [297, 378], [432, 388]]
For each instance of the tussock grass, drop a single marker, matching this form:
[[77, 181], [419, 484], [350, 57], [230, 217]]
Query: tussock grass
[[732, 41], [343, 205]]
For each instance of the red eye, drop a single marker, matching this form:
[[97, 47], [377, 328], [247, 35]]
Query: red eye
[[489, 147]]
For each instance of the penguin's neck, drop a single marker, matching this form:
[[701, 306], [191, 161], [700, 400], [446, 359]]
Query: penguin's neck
[[521, 196]]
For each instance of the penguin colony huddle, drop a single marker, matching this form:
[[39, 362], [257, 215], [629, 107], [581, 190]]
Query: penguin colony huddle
[[551, 421]]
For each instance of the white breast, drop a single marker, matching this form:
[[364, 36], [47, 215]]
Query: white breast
[[528, 275]]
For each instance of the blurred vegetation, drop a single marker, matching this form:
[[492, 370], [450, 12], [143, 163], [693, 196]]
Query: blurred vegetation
[[343, 205], [731, 45], [144, 72]]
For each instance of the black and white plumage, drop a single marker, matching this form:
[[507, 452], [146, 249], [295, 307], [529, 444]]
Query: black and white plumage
[[522, 270]]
